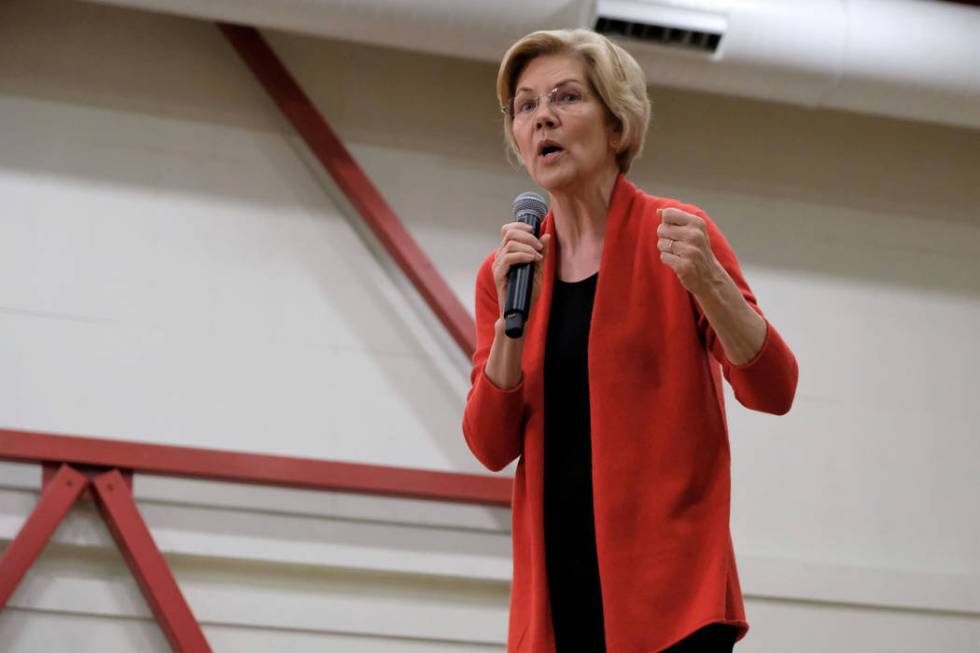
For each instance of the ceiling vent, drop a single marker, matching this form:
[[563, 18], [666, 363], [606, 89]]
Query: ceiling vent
[[909, 59], [677, 37]]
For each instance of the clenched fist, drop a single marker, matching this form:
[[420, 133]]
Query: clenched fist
[[685, 248]]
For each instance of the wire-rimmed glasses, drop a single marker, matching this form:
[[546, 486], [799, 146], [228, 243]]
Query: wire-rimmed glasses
[[563, 97]]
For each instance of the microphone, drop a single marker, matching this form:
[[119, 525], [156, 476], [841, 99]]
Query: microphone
[[529, 208]]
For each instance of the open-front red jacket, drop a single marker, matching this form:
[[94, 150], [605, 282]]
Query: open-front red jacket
[[661, 460]]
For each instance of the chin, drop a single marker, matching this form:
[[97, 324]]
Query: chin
[[555, 180]]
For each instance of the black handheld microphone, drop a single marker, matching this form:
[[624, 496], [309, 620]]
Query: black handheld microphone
[[530, 209]]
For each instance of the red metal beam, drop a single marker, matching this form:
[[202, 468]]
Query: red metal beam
[[355, 184], [49, 472], [148, 565], [26, 446], [56, 499]]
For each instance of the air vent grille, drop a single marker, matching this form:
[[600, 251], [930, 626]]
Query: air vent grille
[[659, 34]]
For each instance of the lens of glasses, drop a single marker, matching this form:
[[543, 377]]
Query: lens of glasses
[[524, 106], [562, 97]]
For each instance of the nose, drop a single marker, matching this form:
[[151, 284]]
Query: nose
[[544, 115]]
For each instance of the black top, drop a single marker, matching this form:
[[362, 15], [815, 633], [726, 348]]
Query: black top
[[569, 519]]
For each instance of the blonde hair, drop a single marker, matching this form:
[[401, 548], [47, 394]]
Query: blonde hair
[[612, 72]]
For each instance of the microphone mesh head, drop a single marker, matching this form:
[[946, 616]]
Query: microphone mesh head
[[530, 203]]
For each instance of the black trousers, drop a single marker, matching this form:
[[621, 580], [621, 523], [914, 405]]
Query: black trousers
[[713, 638]]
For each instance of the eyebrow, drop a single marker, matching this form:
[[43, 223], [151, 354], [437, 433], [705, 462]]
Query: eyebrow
[[564, 81]]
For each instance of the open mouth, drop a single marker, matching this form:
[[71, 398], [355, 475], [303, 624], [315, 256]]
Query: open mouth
[[549, 149]]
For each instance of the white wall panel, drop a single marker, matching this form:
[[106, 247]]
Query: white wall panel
[[805, 626], [163, 269]]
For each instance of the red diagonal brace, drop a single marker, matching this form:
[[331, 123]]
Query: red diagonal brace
[[56, 499], [148, 565], [351, 179]]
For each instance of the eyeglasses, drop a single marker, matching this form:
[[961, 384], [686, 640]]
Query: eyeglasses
[[563, 98]]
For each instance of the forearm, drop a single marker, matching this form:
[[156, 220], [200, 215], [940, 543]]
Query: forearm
[[740, 330], [503, 366]]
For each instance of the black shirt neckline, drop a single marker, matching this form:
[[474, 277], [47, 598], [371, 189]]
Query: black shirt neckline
[[594, 276]]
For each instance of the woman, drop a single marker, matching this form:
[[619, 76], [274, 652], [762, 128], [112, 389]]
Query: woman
[[612, 401]]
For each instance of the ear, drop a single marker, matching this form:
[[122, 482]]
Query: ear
[[616, 137]]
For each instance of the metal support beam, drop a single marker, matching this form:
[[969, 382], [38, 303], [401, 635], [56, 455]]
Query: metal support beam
[[288, 471], [56, 499], [355, 184], [148, 565]]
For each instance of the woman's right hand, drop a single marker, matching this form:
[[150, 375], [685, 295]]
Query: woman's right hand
[[518, 245]]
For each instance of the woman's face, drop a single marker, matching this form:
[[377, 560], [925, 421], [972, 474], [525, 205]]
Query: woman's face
[[566, 142]]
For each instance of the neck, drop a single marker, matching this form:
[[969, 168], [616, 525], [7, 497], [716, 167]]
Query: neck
[[580, 213]]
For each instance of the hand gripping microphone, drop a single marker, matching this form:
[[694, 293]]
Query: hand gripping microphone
[[530, 209]]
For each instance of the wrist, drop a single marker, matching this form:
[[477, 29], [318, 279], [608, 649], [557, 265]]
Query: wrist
[[499, 327], [714, 285], [503, 365], [500, 331]]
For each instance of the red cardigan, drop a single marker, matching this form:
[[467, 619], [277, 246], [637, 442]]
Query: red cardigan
[[661, 460]]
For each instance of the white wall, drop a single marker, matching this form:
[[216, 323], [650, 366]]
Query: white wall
[[173, 268]]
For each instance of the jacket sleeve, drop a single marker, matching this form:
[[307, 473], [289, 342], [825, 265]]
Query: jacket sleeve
[[492, 418], [767, 382]]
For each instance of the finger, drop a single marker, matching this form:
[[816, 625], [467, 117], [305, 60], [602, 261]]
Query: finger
[[673, 261], [514, 235], [676, 232], [504, 260], [689, 235], [676, 216], [511, 259], [515, 225], [514, 246], [677, 240], [666, 244]]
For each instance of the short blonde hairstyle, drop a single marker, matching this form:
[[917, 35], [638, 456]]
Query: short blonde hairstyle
[[612, 72]]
